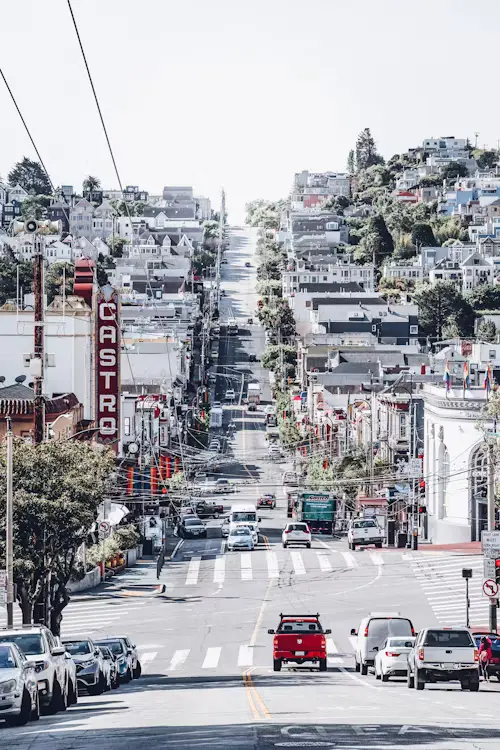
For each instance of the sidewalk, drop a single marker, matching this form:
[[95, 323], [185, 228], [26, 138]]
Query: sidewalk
[[469, 548]]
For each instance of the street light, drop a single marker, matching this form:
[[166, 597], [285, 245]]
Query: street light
[[467, 573]]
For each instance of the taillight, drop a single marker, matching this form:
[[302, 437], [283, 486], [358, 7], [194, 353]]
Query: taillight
[[287, 531], [366, 633], [421, 654], [275, 643], [412, 631], [476, 655], [323, 643]]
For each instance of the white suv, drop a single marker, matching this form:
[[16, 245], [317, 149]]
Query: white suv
[[49, 659], [296, 532], [230, 394]]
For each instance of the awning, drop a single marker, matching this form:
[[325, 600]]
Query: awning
[[115, 513]]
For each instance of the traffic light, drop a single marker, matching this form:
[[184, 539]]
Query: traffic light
[[421, 488], [422, 510], [325, 463], [497, 570]]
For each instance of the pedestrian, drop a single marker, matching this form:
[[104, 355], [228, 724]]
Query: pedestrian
[[485, 655]]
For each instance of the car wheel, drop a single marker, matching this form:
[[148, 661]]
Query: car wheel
[[356, 665], [474, 686], [385, 677], [410, 680], [377, 675], [116, 683], [73, 695], [63, 700], [35, 711], [308, 545], [277, 665], [322, 665], [285, 545], [364, 668], [378, 545], [99, 687], [419, 682], [53, 706], [24, 716], [137, 670]]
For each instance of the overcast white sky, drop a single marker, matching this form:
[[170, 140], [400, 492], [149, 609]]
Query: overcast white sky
[[241, 93]]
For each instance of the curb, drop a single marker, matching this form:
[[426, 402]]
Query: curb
[[176, 549]]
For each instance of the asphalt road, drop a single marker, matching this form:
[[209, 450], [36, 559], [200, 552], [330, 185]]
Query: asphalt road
[[207, 657]]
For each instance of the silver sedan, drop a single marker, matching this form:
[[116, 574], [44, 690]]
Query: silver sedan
[[240, 538], [19, 701]]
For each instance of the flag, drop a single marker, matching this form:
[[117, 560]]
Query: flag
[[466, 377], [488, 377], [447, 376]]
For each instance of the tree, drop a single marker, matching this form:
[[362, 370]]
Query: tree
[[31, 176], [378, 240], [453, 170], [366, 151], [103, 263], [278, 317], [422, 234], [35, 207], [58, 487], [91, 183], [485, 297], [351, 162], [8, 278], [319, 477], [116, 245], [442, 305], [280, 359], [270, 288], [485, 159], [487, 331], [57, 274]]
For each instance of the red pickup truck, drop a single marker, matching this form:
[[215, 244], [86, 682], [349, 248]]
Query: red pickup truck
[[299, 639]]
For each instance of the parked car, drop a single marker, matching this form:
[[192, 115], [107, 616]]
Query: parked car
[[240, 537], [209, 509], [296, 532], [252, 358], [274, 452], [123, 656], [42, 650], [214, 446], [373, 631], [494, 662], [114, 668], [252, 407], [248, 265], [19, 700], [92, 671], [230, 394], [444, 655], [391, 660], [192, 527], [299, 639], [70, 676], [267, 500], [217, 405]]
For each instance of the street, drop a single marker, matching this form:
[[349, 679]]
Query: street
[[206, 653]]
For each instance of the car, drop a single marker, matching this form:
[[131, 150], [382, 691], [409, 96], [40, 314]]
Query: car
[[230, 394], [289, 477], [250, 321], [192, 527], [252, 407], [363, 531], [225, 528], [217, 405], [494, 662], [391, 660], [114, 668], [274, 452], [224, 261], [48, 657], [92, 671], [248, 265], [72, 682], [299, 639], [373, 631], [267, 500], [214, 446], [444, 655], [240, 537], [121, 646], [222, 292], [209, 509], [252, 358], [19, 699], [212, 377], [296, 532]]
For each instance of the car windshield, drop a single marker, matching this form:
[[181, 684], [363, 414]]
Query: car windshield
[[240, 532], [7, 658], [77, 648], [363, 524], [29, 643], [383, 627], [449, 638], [297, 527], [239, 516], [116, 647], [192, 522]]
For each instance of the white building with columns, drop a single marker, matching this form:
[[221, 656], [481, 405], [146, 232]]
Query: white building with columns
[[455, 463]]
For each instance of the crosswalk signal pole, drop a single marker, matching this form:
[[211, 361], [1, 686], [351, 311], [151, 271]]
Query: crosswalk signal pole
[[494, 600], [9, 530]]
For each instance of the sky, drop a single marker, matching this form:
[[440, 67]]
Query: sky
[[240, 94]]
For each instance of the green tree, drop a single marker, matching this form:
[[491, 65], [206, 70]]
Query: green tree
[[8, 277], [57, 274], [58, 487], [443, 305], [210, 229], [422, 235], [278, 317], [104, 263], [35, 207], [116, 245], [280, 359], [31, 176], [487, 331], [91, 183], [319, 477], [485, 159], [453, 170], [366, 151], [351, 162], [269, 270], [270, 288], [378, 240], [485, 297]]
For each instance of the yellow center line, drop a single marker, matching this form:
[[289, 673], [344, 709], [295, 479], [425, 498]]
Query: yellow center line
[[254, 697], [251, 703]]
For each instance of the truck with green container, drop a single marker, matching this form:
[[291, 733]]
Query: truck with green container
[[317, 509]]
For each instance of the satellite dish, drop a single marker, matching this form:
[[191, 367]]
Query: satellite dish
[[31, 385], [2, 378], [20, 378]]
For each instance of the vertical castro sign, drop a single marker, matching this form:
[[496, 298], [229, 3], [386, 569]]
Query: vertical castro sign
[[107, 359]]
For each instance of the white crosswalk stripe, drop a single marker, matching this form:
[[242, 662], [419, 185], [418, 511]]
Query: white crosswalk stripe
[[376, 558], [272, 564], [324, 562], [193, 571], [350, 560], [440, 578], [219, 570], [332, 653], [178, 659], [245, 656], [211, 658], [298, 563], [146, 659], [246, 566]]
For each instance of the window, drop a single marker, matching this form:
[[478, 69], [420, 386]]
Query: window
[[492, 354], [413, 330], [126, 422], [308, 303], [402, 426]]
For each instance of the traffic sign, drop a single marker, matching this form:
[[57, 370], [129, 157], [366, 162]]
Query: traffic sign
[[104, 529], [490, 587], [490, 543], [489, 568]]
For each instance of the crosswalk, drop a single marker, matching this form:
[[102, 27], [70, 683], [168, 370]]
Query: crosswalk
[[441, 581], [270, 564]]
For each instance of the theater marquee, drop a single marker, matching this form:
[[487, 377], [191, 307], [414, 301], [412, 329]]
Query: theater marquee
[[107, 359]]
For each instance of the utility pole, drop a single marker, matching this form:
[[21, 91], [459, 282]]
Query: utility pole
[[491, 487], [9, 535], [39, 349], [219, 244]]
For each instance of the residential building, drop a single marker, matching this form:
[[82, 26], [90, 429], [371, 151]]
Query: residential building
[[11, 211], [81, 219], [132, 193], [63, 414], [410, 270], [59, 211], [449, 147], [321, 273], [17, 193], [103, 220]]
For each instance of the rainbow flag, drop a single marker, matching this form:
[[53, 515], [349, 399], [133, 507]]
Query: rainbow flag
[[488, 377], [466, 377], [447, 376]]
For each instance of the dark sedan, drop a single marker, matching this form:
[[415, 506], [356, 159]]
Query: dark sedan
[[268, 501], [192, 527]]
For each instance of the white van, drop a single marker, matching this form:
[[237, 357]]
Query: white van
[[372, 632], [244, 514]]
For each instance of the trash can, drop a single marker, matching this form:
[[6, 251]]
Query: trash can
[[401, 538], [391, 531]]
